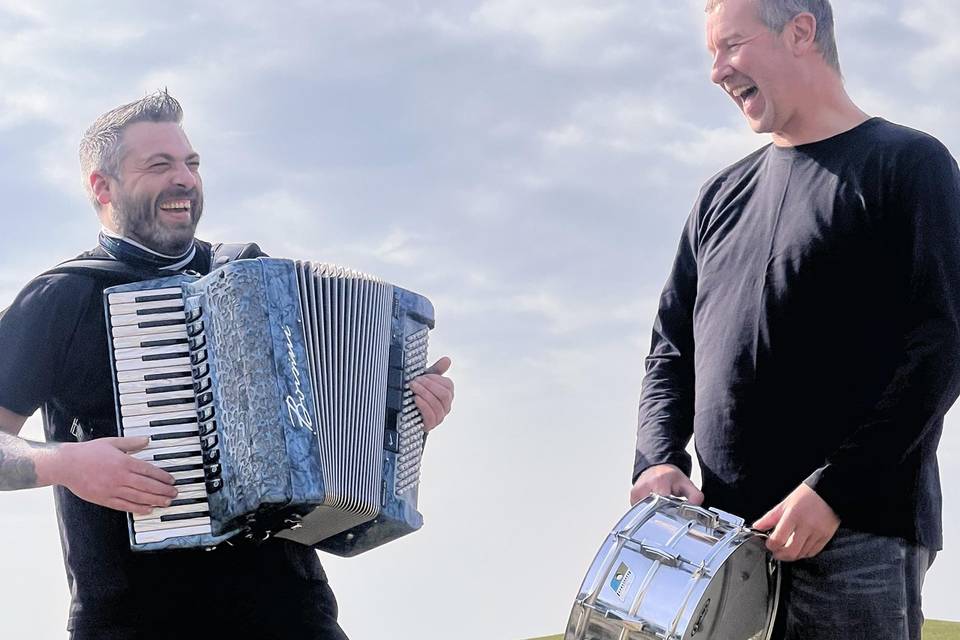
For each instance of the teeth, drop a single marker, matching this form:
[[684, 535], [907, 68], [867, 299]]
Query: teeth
[[176, 204], [740, 91]]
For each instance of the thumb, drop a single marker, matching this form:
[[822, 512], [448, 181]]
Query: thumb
[[769, 519], [695, 496], [688, 490], [131, 445], [440, 366]]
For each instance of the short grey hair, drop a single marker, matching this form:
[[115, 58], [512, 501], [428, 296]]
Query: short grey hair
[[101, 147], [777, 13]]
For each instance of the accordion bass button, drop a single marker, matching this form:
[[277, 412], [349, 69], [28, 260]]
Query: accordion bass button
[[207, 428], [209, 457], [197, 342], [204, 399], [214, 485], [201, 371], [198, 357], [201, 385], [193, 315], [209, 441]]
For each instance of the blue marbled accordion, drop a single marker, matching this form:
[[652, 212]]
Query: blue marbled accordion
[[275, 392]]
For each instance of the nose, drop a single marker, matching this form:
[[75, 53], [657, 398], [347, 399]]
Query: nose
[[183, 177], [720, 70]]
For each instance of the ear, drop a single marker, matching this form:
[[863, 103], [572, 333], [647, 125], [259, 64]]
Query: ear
[[802, 33], [100, 184]]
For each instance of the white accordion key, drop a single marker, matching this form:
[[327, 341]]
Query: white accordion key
[[159, 536], [163, 336], [144, 295], [149, 321]]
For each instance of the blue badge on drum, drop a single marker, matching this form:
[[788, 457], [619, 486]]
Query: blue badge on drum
[[622, 580]]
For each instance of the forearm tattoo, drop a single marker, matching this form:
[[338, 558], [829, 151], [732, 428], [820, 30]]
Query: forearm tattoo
[[17, 470]]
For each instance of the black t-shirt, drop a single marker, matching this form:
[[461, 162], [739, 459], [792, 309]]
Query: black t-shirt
[[810, 331], [55, 357]]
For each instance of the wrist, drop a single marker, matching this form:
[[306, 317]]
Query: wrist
[[53, 468]]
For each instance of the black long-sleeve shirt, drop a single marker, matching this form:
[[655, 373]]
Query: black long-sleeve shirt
[[810, 331], [54, 355]]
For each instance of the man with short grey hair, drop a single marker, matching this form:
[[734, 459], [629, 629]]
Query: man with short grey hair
[[808, 335], [143, 177]]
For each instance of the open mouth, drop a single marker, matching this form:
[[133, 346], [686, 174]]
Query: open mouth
[[748, 93], [177, 209], [176, 206]]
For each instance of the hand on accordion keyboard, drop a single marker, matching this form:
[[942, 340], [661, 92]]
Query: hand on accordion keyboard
[[433, 393], [101, 471]]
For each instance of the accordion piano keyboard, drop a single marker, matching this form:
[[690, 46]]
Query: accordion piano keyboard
[[155, 372]]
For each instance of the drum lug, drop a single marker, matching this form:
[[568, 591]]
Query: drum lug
[[659, 554], [707, 518], [728, 518]]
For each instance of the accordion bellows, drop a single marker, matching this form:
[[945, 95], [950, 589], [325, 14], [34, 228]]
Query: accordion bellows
[[275, 392]]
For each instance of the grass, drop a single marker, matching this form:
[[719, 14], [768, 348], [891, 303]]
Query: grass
[[939, 630], [932, 630]]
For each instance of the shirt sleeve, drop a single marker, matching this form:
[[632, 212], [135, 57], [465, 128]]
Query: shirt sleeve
[[665, 423], [36, 331], [926, 380]]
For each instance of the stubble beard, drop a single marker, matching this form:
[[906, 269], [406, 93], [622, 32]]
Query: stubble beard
[[138, 219]]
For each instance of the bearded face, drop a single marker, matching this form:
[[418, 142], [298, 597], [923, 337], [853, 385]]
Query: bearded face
[[157, 198], [165, 222]]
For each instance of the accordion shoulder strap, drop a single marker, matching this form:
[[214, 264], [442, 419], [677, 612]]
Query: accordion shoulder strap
[[224, 252], [109, 271], [104, 270]]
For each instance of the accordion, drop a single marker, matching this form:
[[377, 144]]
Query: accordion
[[276, 394]]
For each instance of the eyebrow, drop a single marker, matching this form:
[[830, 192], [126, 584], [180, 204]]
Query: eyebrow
[[726, 39], [170, 158]]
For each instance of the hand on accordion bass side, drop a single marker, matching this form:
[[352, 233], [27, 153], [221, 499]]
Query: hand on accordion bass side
[[433, 393], [101, 471]]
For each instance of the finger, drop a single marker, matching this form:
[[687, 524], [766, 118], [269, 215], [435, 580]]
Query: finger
[[815, 545], [123, 505], [151, 486], [779, 537], [793, 549], [142, 498], [130, 444], [144, 468], [639, 492], [689, 491], [431, 418], [440, 366], [432, 387], [770, 519], [435, 380]]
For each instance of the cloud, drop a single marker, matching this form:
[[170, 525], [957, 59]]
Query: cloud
[[525, 164]]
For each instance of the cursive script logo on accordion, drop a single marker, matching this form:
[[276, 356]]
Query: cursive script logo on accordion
[[297, 402]]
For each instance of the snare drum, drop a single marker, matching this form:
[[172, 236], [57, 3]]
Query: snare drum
[[674, 571]]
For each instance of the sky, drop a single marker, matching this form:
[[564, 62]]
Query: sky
[[525, 164]]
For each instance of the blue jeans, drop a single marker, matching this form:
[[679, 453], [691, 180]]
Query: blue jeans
[[861, 586]]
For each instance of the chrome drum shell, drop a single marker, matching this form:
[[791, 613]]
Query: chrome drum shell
[[674, 571]]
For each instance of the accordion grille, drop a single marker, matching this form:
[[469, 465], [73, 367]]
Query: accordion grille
[[347, 319]]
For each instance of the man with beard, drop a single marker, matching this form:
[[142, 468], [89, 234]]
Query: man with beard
[[143, 178], [808, 334]]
